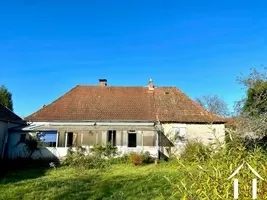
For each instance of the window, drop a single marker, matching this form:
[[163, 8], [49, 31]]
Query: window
[[179, 135], [112, 137], [131, 139], [69, 139], [48, 138], [22, 138]]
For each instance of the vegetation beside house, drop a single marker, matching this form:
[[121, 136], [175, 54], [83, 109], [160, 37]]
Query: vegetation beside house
[[200, 173]]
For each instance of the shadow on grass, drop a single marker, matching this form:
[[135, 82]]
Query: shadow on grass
[[16, 170]]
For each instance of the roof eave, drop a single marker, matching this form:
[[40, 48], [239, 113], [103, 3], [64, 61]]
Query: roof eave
[[14, 121]]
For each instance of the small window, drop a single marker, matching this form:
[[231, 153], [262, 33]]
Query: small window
[[22, 138], [131, 139], [112, 137]]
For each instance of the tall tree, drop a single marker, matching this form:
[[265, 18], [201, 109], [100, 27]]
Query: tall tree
[[255, 102], [214, 104], [6, 97]]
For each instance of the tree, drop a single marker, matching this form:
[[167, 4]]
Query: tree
[[252, 110], [214, 104], [6, 98], [255, 103]]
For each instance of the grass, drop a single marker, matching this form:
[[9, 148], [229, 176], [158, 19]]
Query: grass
[[202, 175], [118, 182]]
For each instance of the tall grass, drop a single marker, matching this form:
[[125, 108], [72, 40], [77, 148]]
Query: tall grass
[[200, 173], [205, 172]]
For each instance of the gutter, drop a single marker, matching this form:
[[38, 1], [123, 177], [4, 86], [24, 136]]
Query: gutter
[[94, 123]]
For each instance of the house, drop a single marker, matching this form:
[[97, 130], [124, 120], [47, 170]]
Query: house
[[8, 120], [146, 118]]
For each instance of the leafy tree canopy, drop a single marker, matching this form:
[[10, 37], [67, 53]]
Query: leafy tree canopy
[[6, 97], [255, 85]]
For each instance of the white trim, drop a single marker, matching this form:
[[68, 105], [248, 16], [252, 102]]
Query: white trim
[[63, 123], [95, 123], [57, 140], [124, 124], [66, 139], [142, 139]]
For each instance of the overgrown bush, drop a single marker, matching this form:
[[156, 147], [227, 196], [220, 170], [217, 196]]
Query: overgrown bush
[[140, 158], [122, 159], [104, 150], [196, 151], [80, 157], [136, 158], [98, 157], [205, 176], [148, 158]]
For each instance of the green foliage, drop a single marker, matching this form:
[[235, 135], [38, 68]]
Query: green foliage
[[98, 157], [179, 179], [195, 151], [122, 159], [104, 150], [6, 98], [31, 144], [256, 101], [80, 157]]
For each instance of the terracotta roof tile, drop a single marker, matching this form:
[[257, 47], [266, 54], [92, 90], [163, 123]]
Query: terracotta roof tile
[[175, 106], [96, 103]]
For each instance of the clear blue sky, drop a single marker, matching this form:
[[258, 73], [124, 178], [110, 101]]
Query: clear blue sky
[[49, 46]]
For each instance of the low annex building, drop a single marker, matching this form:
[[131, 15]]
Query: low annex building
[[8, 119]]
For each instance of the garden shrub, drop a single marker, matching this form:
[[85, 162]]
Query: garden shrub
[[196, 151], [136, 158], [123, 159], [104, 150], [148, 158], [140, 158], [98, 157], [81, 158]]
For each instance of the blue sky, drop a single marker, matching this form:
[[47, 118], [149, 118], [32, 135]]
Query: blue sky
[[48, 47]]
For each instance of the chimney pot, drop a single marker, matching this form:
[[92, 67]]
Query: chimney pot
[[151, 84], [102, 82]]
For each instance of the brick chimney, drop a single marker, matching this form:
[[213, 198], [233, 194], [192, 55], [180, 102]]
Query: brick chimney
[[103, 82], [151, 84]]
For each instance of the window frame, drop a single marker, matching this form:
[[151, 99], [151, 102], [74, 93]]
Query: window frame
[[132, 132], [113, 141], [44, 144]]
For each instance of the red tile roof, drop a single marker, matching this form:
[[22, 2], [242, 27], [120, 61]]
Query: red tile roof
[[108, 103], [8, 115]]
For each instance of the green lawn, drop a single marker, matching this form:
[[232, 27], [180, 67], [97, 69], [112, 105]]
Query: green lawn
[[117, 182], [185, 179]]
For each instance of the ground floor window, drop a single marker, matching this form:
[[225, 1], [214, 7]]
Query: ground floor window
[[47, 138], [112, 137], [132, 139]]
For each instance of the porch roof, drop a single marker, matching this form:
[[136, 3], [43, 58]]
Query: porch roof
[[31, 127]]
